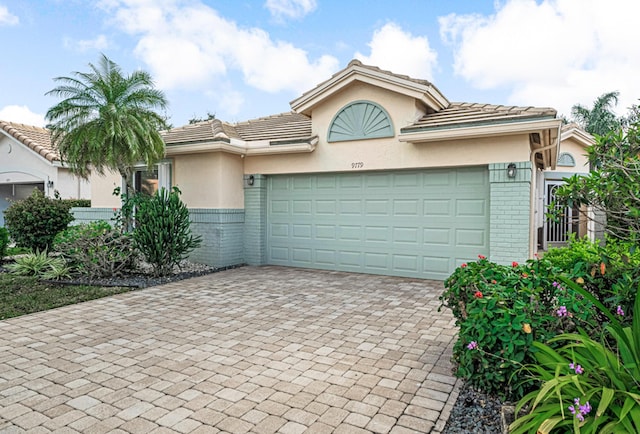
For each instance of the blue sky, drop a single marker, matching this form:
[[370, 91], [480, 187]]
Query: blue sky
[[243, 59]]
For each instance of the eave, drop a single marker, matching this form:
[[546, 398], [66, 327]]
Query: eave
[[239, 147]]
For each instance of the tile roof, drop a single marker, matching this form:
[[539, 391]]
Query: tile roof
[[463, 114], [281, 127], [35, 138]]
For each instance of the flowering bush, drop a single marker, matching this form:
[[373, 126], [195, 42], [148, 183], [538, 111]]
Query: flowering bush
[[501, 310], [579, 374]]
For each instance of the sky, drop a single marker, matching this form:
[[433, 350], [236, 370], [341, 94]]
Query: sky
[[243, 59]]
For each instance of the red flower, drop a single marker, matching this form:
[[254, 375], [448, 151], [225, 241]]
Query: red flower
[[514, 264], [464, 265], [525, 275], [494, 281], [482, 257], [478, 294]]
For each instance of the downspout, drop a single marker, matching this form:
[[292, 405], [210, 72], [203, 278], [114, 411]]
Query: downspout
[[532, 193]]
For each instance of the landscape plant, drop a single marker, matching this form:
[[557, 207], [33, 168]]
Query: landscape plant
[[96, 250], [162, 231], [40, 265], [587, 385], [501, 310], [4, 242], [34, 222]]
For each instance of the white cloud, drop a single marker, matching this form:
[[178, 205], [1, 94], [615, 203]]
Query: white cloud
[[82, 45], [400, 52], [7, 18], [290, 8], [189, 45], [550, 52], [21, 114]]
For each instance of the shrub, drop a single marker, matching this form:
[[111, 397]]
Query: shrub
[[501, 310], [40, 265], [77, 203], [608, 271], [35, 221], [162, 230], [4, 242], [96, 250], [587, 386]]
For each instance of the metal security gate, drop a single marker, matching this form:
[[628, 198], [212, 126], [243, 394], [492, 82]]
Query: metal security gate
[[557, 232]]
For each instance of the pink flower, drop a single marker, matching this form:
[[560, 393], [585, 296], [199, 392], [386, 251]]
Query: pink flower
[[514, 264], [478, 294], [562, 311], [464, 265], [577, 368], [619, 311], [473, 345], [482, 257]]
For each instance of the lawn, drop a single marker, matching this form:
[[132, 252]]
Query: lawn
[[21, 295]]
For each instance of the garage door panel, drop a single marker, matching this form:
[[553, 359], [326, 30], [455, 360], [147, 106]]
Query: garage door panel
[[414, 223], [470, 238], [471, 207], [406, 207]]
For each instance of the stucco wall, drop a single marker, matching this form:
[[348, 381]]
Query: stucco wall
[[102, 190], [578, 152], [386, 153], [210, 180], [19, 164]]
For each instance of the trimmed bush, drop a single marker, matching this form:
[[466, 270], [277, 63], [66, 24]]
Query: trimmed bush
[[35, 221], [96, 249], [163, 231]]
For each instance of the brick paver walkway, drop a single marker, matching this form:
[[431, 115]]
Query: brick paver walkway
[[254, 349]]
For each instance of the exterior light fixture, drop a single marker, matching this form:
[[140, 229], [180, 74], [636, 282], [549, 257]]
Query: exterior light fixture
[[50, 183], [511, 171], [251, 179]]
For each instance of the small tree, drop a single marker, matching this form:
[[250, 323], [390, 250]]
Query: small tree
[[34, 222], [162, 230], [613, 187]]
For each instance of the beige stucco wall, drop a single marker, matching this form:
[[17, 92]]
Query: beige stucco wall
[[70, 186], [102, 190], [386, 153], [210, 180], [578, 152]]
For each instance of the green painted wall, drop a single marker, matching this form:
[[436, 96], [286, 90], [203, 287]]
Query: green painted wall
[[510, 213]]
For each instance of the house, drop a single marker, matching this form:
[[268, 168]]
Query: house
[[371, 172], [28, 161]]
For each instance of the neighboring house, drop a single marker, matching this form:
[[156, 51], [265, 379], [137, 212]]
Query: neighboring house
[[28, 161], [371, 172]]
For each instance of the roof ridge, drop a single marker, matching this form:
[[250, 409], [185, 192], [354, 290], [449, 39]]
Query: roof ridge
[[493, 107]]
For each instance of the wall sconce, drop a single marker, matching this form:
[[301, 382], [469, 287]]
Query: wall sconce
[[511, 171], [50, 184], [251, 179]]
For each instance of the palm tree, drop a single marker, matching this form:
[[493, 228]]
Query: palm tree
[[107, 120], [600, 119]]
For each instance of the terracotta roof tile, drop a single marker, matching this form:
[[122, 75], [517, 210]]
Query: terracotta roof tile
[[462, 114], [284, 126], [35, 138]]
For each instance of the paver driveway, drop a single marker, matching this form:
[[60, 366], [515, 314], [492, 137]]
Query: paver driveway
[[254, 349]]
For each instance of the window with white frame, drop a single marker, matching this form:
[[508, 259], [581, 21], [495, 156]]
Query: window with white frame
[[148, 181]]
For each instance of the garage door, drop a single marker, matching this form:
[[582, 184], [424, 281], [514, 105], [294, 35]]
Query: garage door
[[403, 223]]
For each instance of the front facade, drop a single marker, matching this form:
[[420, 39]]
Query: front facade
[[371, 172], [28, 161]]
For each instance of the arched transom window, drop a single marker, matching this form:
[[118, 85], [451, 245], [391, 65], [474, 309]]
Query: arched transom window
[[360, 120], [566, 160]]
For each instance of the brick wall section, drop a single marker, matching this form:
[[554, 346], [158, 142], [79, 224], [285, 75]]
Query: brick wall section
[[222, 233], [88, 215], [255, 221], [510, 213]]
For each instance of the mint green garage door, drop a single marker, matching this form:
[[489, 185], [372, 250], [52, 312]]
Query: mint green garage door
[[402, 223]]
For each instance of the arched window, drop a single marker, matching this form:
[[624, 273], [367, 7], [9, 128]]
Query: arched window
[[566, 160], [360, 120]]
